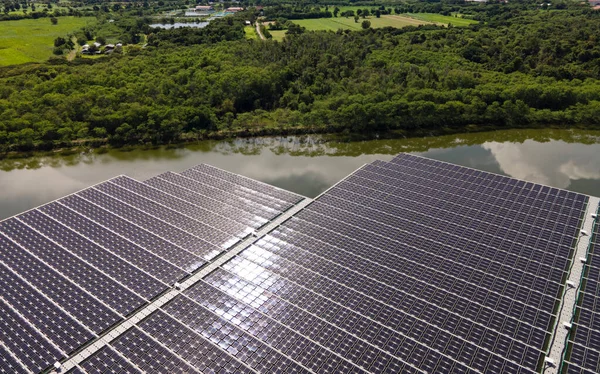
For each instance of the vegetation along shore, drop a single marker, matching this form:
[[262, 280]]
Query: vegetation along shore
[[114, 80]]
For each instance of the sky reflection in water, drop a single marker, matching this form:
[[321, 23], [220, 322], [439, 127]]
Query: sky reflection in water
[[564, 159]]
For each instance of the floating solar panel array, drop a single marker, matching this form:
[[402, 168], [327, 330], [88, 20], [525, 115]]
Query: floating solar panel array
[[407, 266], [71, 269], [583, 355]]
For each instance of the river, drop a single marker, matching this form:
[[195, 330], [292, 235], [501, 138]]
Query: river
[[307, 165]]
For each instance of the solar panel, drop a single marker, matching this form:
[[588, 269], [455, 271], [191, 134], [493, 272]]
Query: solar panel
[[411, 266], [583, 353], [107, 360]]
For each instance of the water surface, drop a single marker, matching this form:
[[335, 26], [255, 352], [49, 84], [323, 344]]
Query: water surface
[[176, 25], [308, 165]]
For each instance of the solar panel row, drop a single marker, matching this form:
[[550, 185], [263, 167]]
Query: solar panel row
[[257, 196], [240, 200], [226, 205], [473, 291], [583, 355], [412, 265], [382, 273], [160, 262], [73, 268], [251, 184]]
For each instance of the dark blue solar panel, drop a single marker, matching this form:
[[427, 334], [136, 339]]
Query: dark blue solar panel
[[274, 206], [272, 192], [8, 363], [57, 288], [130, 201], [31, 348], [147, 354], [88, 201], [146, 259], [244, 200], [448, 269], [186, 253], [135, 279], [214, 201], [107, 360], [584, 352], [106, 289], [408, 266], [214, 219]]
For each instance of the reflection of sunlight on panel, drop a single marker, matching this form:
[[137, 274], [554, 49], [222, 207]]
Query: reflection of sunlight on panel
[[253, 294], [230, 243], [212, 254], [269, 241], [259, 255], [194, 266]]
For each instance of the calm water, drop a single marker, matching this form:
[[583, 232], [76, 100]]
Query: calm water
[[307, 165], [176, 25]]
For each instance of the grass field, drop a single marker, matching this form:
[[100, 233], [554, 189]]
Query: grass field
[[455, 19], [32, 40], [250, 32], [38, 8], [277, 34], [440, 19], [348, 23]]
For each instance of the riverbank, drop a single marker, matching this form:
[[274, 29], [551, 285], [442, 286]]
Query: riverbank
[[330, 133], [308, 164]]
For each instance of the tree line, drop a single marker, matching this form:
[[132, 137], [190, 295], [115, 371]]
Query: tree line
[[534, 68]]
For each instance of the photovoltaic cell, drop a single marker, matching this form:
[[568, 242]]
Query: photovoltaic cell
[[225, 205], [584, 341], [149, 355], [181, 250], [147, 260], [243, 201], [75, 301], [251, 184], [191, 346], [411, 266], [43, 315], [103, 287], [31, 348], [128, 275], [448, 272], [107, 360], [8, 364], [213, 218], [132, 201], [258, 197]]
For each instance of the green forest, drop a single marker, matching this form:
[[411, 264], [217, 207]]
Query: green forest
[[521, 65]]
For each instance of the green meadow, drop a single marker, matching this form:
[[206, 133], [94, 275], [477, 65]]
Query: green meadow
[[344, 23], [250, 32], [278, 34], [32, 40], [455, 20], [336, 23]]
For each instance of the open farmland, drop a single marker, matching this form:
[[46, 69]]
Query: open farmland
[[349, 24], [440, 19], [32, 40]]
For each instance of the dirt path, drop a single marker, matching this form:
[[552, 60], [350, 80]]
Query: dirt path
[[262, 37], [73, 52]]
